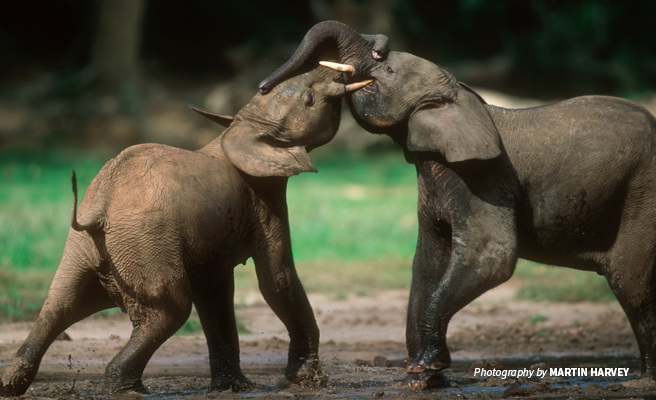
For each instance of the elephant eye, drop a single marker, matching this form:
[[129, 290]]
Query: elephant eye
[[308, 99], [390, 70]]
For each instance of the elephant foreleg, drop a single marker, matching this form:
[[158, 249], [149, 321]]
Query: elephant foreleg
[[282, 290], [476, 265], [431, 260]]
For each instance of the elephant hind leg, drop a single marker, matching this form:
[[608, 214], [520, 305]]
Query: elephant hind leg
[[217, 315], [75, 293], [154, 321]]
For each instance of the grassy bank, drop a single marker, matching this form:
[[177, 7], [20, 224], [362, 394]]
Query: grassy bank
[[353, 227]]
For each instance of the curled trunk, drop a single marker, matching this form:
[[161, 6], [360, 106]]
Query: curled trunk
[[361, 51]]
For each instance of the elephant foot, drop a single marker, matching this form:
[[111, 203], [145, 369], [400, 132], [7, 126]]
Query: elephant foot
[[648, 370], [308, 381], [303, 369], [10, 390], [426, 375], [427, 380], [304, 373], [314, 383], [239, 384], [16, 379], [422, 367], [124, 388]]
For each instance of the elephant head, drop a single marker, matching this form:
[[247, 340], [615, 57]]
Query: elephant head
[[360, 52], [420, 105], [273, 133]]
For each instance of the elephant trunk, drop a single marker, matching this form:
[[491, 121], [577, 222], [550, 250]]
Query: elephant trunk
[[363, 52]]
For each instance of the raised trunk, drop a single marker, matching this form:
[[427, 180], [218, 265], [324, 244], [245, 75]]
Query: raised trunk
[[363, 52]]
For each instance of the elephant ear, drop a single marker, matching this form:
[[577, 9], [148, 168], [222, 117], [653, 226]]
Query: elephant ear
[[260, 154], [223, 120], [460, 130]]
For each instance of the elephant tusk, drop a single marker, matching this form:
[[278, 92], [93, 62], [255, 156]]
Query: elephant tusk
[[338, 67], [358, 85]]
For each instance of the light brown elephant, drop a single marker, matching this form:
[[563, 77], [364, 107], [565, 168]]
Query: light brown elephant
[[162, 228]]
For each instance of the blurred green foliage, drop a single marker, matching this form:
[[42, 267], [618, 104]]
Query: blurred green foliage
[[558, 48]]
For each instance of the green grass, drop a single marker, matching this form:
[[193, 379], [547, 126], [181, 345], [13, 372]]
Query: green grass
[[546, 283], [340, 277], [355, 208], [534, 319], [22, 293], [35, 206]]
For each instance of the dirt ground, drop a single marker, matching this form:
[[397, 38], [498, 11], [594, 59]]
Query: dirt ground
[[362, 348]]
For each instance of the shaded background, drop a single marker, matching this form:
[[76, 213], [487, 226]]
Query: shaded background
[[81, 80], [97, 73]]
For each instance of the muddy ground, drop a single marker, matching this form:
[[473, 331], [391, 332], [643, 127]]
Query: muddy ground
[[362, 348]]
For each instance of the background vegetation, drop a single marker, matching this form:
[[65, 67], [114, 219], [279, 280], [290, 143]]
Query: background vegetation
[[569, 46], [80, 80]]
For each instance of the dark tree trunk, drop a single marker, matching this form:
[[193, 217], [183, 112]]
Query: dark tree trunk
[[117, 43]]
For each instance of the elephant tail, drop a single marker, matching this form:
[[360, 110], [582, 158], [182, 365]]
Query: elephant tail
[[91, 221]]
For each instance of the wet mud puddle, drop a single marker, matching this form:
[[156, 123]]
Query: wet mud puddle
[[189, 378]]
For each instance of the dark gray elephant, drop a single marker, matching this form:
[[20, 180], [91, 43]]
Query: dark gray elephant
[[160, 228], [570, 184]]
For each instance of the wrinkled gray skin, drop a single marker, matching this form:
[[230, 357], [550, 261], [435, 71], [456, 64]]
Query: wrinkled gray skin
[[160, 228], [570, 184]]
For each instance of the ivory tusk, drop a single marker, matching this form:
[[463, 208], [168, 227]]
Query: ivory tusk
[[358, 85], [338, 67]]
